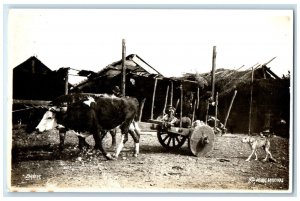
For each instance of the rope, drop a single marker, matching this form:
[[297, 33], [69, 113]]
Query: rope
[[27, 108], [23, 109]]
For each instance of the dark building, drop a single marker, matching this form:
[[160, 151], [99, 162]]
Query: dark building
[[33, 85], [33, 80]]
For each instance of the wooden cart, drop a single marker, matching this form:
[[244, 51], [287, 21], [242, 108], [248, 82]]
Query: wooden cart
[[200, 139]]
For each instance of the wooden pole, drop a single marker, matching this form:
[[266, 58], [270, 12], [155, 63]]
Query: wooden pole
[[181, 100], [216, 111], [250, 108], [229, 109], [194, 108], [177, 103], [171, 94], [213, 73], [207, 108], [264, 71], [166, 101], [269, 61], [153, 98], [198, 97], [67, 81], [141, 109], [123, 67], [31, 102]]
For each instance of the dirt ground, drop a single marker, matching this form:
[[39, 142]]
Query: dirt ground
[[36, 166]]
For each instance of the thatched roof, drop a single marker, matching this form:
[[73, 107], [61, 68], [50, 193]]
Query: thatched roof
[[227, 80], [197, 78], [134, 64]]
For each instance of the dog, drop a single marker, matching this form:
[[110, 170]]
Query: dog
[[256, 143]]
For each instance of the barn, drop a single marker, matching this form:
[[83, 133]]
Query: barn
[[33, 80], [34, 84]]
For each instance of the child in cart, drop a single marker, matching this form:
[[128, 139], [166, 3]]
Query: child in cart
[[170, 118]]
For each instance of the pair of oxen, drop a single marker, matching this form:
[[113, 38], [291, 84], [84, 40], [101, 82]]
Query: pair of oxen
[[96, 115]]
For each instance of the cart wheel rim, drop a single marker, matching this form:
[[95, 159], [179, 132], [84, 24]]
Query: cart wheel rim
[[201, 140], [170, 141]]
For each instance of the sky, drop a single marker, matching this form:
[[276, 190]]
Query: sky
[[171, 41]]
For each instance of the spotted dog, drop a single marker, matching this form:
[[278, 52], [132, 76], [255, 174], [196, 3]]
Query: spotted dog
[[256, 142]]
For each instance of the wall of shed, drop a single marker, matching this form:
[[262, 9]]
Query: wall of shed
[[271, 102]]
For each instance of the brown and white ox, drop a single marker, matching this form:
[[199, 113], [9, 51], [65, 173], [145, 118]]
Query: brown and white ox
[[95, 115]]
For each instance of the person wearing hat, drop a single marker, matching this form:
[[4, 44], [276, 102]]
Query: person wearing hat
[[170, 116], [116, 91]]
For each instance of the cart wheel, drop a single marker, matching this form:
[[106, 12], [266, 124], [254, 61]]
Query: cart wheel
[[201, 140], [170, 141]]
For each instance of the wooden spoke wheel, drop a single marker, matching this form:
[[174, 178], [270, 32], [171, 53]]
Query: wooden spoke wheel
[[170, 140], [201, 140]]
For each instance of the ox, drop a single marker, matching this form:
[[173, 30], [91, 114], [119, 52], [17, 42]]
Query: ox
[[95, 115]]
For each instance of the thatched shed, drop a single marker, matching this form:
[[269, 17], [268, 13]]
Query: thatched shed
[[140, 81], [271, 99]]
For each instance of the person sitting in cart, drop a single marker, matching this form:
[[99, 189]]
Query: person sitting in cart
[[170, 116]]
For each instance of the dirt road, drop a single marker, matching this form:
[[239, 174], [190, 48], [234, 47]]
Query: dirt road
[[36, 168]]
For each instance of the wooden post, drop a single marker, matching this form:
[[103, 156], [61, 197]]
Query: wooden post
[[181, 100], [229, 109], [141, 109], [250, 108], [213, 73], [265, 64], [177, 103], [216, 110], [207, 108], [264, 71], [198, 97], [123, 67], [66, 81], [153, 98], [166, 100], [194, 108], [171, 94]]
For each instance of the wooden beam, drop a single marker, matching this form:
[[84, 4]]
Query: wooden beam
[[171, 94], [207, 108], [273, 74], [177, 103], [31, 102], [264, 71], [181, 101], [67, 81], [153, 99], [194, 108], [269, 61], [213, 73], [123, 67], [250, 108], [229, 109], [216, 111], [198, 98], [166, 101], [141, 109]]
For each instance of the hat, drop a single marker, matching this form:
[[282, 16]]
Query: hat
[[170, 107], [116, 89]]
